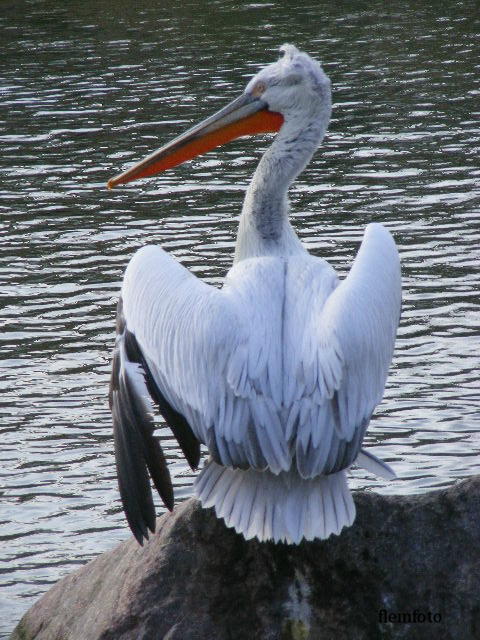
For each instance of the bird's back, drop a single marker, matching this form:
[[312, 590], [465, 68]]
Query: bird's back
[[284, 373]]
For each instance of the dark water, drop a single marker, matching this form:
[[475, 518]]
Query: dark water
[[86, 88]]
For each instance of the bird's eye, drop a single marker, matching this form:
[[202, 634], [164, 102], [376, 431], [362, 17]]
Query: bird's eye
[[258, 89], [282, 53]]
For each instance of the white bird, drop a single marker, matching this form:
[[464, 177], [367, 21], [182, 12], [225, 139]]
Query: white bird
[[278, 372]]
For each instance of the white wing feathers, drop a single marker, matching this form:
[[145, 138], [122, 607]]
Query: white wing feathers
[[281, 364], [371, 463], [347, 350], [183, 327], [361, 318]]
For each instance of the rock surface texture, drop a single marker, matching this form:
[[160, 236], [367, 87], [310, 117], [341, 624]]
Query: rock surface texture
[[408, 556]]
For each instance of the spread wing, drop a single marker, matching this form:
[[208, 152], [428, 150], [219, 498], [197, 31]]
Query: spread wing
[[346, 349], [164, 351]]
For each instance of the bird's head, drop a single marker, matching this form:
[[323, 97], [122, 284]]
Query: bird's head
[[293, 87]]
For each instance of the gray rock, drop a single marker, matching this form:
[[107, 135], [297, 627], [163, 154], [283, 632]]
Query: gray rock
[[197, 580]]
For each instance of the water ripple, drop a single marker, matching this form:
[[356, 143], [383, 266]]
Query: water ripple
[[83, 95]]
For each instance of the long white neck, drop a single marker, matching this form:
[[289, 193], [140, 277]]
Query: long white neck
[[264, 225]]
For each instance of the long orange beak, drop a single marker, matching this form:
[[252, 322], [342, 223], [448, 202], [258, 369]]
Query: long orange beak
[[244, 116]]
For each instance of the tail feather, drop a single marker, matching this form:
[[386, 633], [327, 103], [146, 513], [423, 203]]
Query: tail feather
[[283, 507], [206, 484]]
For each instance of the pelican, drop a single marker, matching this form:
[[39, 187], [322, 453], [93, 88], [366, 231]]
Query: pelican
[[279, 371]]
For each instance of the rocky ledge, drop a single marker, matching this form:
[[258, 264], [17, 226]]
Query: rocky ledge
[[408, 568]]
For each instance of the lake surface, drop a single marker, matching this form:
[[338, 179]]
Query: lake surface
[[89, 87]]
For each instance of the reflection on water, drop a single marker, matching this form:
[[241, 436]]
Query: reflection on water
[[88, 87]]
